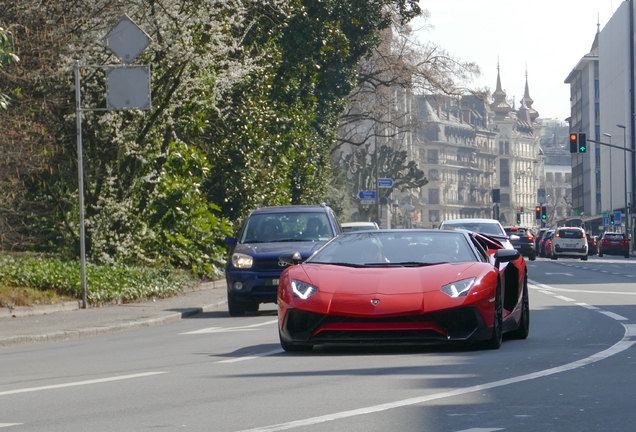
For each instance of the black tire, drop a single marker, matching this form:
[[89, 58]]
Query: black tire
[[553, 257], [627, 256], [235, 307], [533, 257], [600, 254], [524, 322], [294, 347], [584, 258], [497, 329]]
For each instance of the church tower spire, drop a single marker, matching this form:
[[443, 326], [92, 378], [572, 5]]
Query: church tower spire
[[500, 106]]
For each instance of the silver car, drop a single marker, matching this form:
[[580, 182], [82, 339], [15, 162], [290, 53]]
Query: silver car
[[489, 227]]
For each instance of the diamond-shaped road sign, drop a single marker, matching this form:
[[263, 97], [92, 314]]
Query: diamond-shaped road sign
[[126, 40]]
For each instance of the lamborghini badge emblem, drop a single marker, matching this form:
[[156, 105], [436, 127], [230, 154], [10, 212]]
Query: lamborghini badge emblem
[[375, 302]]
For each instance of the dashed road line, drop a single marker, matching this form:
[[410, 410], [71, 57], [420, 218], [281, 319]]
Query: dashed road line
[[230, 329], [80, 383]]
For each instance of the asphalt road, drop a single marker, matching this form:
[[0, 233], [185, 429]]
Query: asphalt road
[[212, 372]]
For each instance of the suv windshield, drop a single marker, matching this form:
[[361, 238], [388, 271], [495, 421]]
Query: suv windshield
[[570, 234], [285, 227]]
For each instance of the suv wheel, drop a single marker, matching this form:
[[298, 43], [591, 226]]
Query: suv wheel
[[584, 258], [533, 256], [600, 254], [553, 256]]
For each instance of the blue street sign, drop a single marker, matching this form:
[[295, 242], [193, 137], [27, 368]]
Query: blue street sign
[[366, 194], [385, 183], [617, 218]]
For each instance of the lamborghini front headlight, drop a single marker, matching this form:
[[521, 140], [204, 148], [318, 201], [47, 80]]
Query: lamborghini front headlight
[[459, 288], [302, 289]]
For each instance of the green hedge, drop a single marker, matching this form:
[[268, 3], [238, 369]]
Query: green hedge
[[104, 283]]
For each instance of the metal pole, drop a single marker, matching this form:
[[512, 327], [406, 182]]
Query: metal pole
[[625, 168], [610, 173], [80, 177]]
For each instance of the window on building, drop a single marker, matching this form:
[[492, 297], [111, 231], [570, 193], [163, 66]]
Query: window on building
[[433, 196], [433, 156], [433, 175], [505, 200], [507, 147], [433, 216], [504, 180]]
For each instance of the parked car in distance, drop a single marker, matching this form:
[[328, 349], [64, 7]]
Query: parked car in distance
[[546, 242], [359, 226], [569, 242], [538, 238], [522, 239], [592, 245], [613, 243], [253, 269], [489, 227]]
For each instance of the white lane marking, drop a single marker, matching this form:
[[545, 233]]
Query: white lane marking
[[629, 275], [481, 430], [230, 329], [538, 285], [618, 347], [10, 424], [80, 383], [587, 306], [567, 299], [566, 274], [547, 292], [252, 357], [617, 317]]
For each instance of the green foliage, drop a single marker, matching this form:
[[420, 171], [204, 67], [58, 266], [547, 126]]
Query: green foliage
[[104, 283], [245, 102]]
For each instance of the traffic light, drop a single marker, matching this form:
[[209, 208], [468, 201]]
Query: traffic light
[[574, 143], [582, 143], [518, 217], [538, 210], [544, 216], [611, 218], [521, 211]]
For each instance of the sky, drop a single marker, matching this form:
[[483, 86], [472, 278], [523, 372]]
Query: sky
[[548, 37]]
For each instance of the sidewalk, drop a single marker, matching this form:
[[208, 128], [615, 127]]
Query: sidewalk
[[67, 320]]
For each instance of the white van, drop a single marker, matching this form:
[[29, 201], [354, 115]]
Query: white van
[[569, 242]]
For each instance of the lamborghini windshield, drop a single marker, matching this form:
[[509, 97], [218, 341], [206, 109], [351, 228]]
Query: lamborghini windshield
[[395, 248]]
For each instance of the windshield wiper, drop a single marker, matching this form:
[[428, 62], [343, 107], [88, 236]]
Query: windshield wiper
[[402, 264], [337, 264]]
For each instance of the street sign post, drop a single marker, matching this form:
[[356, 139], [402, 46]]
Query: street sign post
[[370, 194], [385, 183], [617, 218]]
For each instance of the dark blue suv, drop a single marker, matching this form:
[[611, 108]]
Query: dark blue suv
[[253, 269]]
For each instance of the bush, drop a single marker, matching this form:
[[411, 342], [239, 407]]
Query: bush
[[103, 283]]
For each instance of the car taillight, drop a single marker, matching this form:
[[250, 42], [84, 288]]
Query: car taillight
[[625, 241], [530, 238], [604, 240]]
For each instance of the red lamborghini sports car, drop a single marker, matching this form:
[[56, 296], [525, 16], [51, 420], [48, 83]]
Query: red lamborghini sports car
[[403, 287]]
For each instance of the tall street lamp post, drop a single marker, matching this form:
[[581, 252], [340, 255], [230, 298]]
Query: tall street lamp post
[[610, 172], [625, 168]]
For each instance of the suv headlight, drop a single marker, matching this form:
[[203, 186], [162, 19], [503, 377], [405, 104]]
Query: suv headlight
[[241, 261], [302, 289], [459, 288]]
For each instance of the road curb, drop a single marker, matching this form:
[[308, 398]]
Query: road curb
[[115, 328]]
